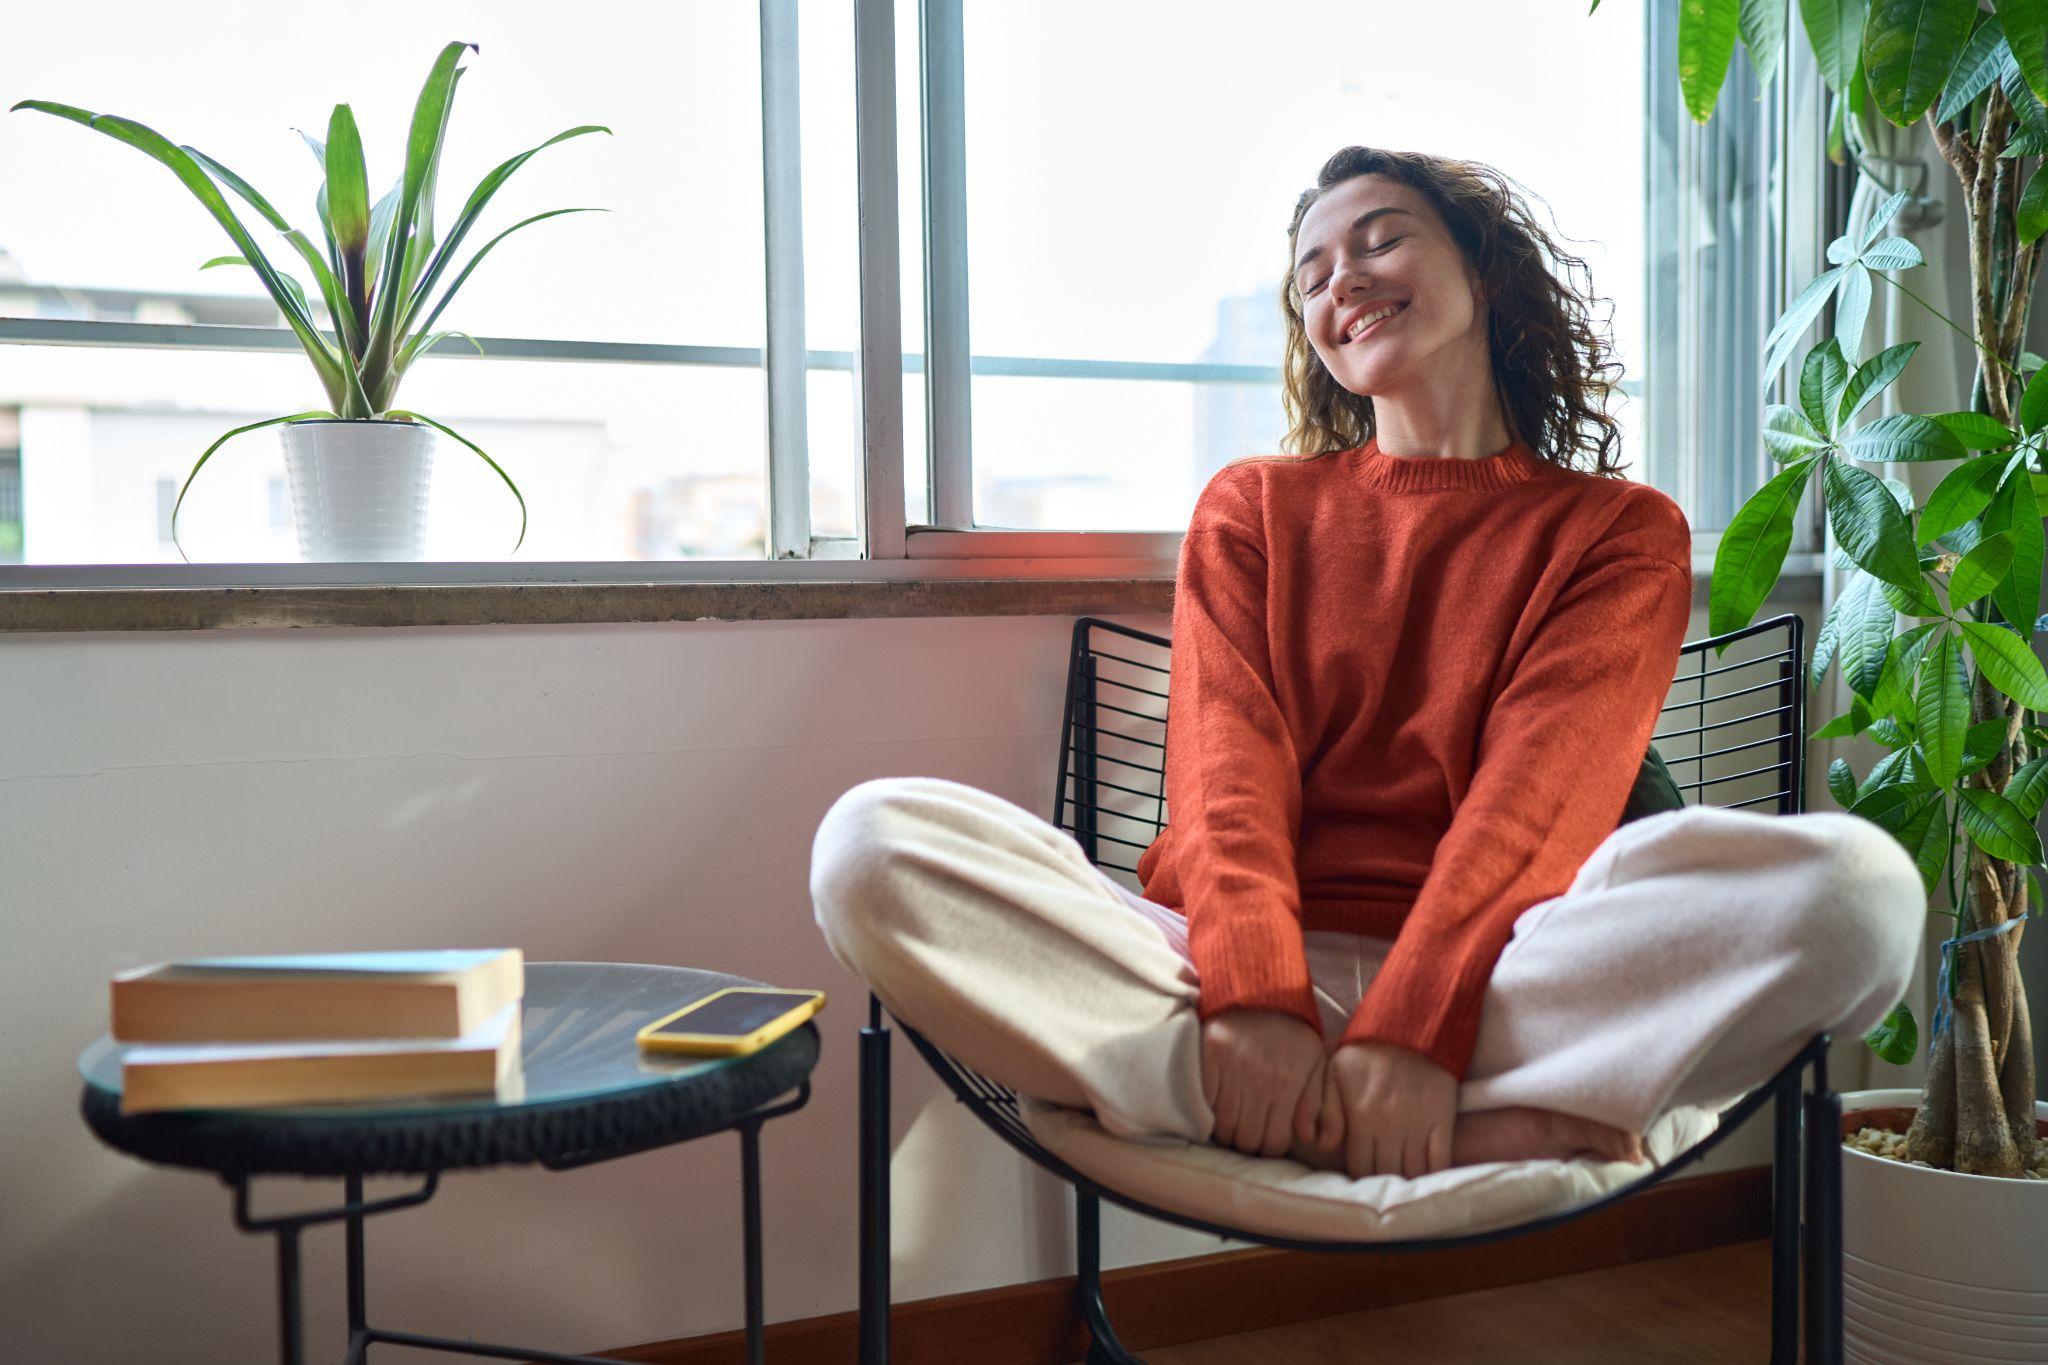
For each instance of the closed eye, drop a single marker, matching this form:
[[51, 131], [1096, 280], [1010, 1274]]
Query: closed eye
[[1373, 252]]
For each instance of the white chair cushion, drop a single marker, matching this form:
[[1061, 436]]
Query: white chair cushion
[[1283, 1198]]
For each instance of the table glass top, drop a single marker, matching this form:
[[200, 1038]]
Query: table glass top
[[577, 1023]]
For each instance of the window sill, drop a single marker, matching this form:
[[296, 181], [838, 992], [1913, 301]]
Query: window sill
[[214, 607]]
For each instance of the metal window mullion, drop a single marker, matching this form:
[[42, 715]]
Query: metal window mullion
[[880, 506], [788, 452], [948, 382]]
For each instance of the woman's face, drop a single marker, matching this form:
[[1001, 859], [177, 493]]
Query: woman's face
[[1370, 243]]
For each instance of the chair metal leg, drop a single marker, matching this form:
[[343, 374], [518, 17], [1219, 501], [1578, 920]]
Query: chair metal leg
[[1785, 1219], [1823, 1217], [358, 1314], [874, 1188], [1103, 1347]]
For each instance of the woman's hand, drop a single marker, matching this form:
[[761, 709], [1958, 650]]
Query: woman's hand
[[1263, 1074], [1398, 1108]]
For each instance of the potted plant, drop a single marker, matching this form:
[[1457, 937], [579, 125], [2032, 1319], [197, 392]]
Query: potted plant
[[1944, 1200], [358, 467]]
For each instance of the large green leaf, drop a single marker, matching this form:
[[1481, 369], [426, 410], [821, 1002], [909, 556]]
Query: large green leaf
[[1835, 28], [1982, 744], [1980, 570], [1975, 70], [1963, 492], [1785, 335], [1909, 48], [1789, 436], [1762, 26], [1706, 43], [1926, 836], [1977, 430], [1841, 781], [1998, 827], [1942, 708], [2034, 404], [1893, 695], [2026, 31], [386, 310], [2031, 217], [2014, 508], [1896, 1037], [2008, 662], [1821, 381], [1865, 634], [2028, 787], [1752, 549], [1869, 525], [1872, 377], [1903, 436], [1853, 721], [1852, 306]]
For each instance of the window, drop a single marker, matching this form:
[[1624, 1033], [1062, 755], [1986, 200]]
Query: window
[[866, 287]]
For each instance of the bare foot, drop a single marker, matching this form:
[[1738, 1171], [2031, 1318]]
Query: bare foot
[[1522, 1133], [1516, 1134]]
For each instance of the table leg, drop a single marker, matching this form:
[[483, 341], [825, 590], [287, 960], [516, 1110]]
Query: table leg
[[358, 1316], [750, 1233], [290, 1350]]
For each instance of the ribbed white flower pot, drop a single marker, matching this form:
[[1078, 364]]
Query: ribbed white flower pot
[[1938, 1266], [359, 489]]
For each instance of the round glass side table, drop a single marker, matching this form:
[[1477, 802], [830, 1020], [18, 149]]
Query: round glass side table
[[586, 1094]]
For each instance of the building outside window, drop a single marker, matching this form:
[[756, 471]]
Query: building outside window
[[1090, 239]]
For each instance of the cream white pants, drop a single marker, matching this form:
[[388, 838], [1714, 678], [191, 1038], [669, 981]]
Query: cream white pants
[[1692, 956]]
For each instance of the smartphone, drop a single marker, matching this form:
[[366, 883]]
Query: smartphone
[[731, 1022]]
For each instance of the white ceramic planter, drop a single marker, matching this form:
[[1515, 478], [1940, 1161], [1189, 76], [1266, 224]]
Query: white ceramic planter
[[359, 489], [1938, 1266]]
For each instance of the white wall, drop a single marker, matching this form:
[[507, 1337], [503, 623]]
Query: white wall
[[633, 793]]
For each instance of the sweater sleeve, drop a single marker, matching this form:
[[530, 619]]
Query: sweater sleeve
[[1557, 752], [1233, 782]]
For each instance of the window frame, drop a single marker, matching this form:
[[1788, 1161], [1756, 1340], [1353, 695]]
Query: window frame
[[888, 543]]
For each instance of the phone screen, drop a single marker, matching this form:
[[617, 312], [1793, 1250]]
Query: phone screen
[[731, 1016]]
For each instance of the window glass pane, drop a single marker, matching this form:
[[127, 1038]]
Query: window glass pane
[[616, 461], [609, 457], [1138, 214]]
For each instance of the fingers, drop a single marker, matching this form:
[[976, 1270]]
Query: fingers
[[1251, 1124], [1226, 1106], [1308, 1107], [1330, 1127], [1281, 1122], [1440, 1147]]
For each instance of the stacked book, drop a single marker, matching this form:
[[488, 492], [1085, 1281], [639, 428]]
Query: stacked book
[[242, 1032]]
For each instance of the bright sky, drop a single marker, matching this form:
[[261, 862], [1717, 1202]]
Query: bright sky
[[1130, 166]]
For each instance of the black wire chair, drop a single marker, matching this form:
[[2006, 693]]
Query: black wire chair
[[1751, 709]]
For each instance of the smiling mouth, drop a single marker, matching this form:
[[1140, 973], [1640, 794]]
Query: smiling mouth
[[1377, 325]]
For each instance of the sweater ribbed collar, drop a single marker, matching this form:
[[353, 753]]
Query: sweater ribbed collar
[[1428, 473]]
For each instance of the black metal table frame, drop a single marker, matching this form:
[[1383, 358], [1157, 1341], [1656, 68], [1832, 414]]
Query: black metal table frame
[[361, 1336]]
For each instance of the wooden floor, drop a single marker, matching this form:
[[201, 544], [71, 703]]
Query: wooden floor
[[1699, 1307]]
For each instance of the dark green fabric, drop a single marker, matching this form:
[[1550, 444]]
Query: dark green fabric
[[1654, 790]]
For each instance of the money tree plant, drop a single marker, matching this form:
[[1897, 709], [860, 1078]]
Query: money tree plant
[[1954, 692], [381, 274]]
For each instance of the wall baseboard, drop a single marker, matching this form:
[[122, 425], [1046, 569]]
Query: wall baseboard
[[1169, 1302]]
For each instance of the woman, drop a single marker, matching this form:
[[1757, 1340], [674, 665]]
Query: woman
[[1392, 925]]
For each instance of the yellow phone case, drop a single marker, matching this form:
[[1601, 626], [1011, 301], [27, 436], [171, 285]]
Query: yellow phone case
[[727, 1045]]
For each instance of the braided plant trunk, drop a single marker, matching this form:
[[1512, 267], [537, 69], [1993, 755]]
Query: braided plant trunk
[[1976, 1111]]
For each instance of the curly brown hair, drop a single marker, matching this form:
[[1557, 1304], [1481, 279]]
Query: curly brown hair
[[1550, 367]]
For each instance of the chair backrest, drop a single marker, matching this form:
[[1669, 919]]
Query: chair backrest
[[1731, 731]]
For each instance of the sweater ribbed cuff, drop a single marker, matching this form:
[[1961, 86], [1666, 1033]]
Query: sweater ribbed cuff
[[1421, 1010], [1252, 963]]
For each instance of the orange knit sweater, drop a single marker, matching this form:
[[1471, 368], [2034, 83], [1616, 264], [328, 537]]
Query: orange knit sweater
[[1409, 696]]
